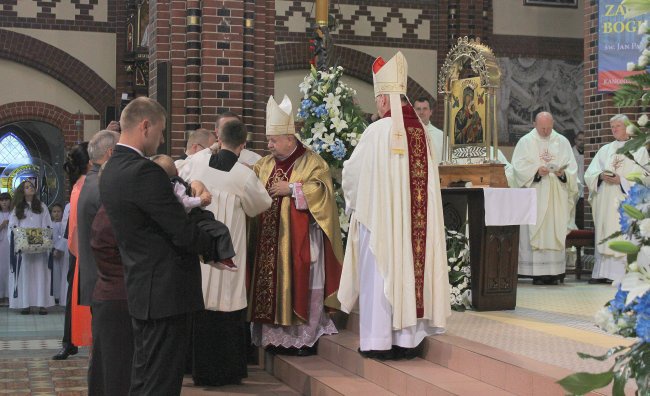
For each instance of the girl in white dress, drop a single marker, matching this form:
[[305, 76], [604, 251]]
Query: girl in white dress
[[5, 211], [34, 278]]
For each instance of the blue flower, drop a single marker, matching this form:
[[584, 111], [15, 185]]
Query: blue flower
[[320, 110], [306, 104], [643, 328], [338, 149], [618, 303], [638, 197], [642, 305], [317, 146]]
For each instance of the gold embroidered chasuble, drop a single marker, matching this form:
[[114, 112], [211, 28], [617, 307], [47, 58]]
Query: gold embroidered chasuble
[[273, 297]]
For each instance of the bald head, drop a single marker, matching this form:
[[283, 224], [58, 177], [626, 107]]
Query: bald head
[[199, 140], [544, 124]]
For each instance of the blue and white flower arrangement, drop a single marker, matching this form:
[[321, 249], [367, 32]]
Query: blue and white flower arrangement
[[332, 121], [332, 124]]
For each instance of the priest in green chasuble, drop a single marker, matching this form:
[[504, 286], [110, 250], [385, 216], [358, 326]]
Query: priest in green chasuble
[[395, 261], [297, 242], [543, 160], [608, 186]]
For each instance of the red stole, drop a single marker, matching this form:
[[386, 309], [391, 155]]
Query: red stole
[[418, 181], [265, 282]]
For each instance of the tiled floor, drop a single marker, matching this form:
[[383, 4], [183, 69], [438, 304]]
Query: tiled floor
[[550, 324]]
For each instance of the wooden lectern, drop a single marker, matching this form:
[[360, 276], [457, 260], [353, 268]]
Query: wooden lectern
[[484, 175], [494, 251]]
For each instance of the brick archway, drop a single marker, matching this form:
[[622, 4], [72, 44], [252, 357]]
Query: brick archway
[[59, 65], [45, 112], [357, 64]]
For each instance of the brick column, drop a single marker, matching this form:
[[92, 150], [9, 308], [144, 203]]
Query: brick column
[[599, 107], [225, 64]]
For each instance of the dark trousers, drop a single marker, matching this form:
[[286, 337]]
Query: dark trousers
[[67, 324], [160, 348], [220, 348], [109, 371]]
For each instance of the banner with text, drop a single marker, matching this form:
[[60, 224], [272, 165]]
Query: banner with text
[[618, 44]]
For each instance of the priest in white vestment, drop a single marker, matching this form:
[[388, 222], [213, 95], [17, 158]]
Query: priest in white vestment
[[608, 186], [422, 107], [395, 262], [236, 193], [543, 160], [246, 157]]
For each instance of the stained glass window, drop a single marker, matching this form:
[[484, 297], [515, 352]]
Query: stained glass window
[[12, 150]]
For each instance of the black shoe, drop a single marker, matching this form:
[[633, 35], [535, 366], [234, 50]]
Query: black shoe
[[307, 351], [65, 352], [24, 311], [42, 311], [538, 281], [594, 281]]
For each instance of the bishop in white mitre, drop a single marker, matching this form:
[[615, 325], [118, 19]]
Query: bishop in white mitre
[[395, 262], [236, 193], [608, 186], [543, 160]]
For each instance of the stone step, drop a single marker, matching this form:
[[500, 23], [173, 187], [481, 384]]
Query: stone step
[[403, 377], [515, 373], [504, 370], [313, 375]]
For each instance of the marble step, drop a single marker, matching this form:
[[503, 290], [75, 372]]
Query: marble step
[[403, 377], [313, 375], [513, 373]]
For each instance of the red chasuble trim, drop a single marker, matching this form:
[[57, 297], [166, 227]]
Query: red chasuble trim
[[266, 257], [418, 182]]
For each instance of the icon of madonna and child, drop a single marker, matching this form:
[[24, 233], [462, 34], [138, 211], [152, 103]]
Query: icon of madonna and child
[[468, 121]]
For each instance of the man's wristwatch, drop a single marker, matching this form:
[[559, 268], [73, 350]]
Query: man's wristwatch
[[291, 185]]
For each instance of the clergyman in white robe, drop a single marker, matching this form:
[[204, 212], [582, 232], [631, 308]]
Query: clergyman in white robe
[[542, 246], [379, 268], [605, 199]]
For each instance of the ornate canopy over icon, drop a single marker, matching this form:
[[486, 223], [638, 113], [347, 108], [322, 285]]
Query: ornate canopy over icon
[[469, 80]]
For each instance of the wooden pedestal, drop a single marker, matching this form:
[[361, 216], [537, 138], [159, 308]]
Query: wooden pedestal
[[493, 251], [486, 175]]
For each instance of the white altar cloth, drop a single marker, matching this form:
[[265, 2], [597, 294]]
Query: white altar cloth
[[510, 206]]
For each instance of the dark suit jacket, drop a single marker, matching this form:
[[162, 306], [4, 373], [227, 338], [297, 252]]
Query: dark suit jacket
[[158, 242], [87, 207]]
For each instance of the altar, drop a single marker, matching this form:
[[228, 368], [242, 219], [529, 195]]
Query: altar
[[493, 217]]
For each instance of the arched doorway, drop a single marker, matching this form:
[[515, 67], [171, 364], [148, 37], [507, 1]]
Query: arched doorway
[[26, 143]]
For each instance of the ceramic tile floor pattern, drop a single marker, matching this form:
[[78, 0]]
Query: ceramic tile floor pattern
[[550, 324]]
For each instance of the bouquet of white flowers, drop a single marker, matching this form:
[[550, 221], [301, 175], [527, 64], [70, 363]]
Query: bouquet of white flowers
[[459, 270]]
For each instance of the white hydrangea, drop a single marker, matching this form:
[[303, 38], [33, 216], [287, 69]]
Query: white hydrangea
[[605, 320], [643, 120], [644, 228]]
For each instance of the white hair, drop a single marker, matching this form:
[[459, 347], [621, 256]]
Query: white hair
[[101, 143], [620, 117]]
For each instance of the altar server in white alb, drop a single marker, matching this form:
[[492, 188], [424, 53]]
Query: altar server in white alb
[[608, 186], [395, 262], [236, 193], [543, 160]]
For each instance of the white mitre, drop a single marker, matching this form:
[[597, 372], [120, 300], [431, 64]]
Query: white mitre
[[279, 118], [390, 78]]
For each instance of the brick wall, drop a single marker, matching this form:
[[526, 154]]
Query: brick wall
[[51, 114], [599, 107], [222, 61]]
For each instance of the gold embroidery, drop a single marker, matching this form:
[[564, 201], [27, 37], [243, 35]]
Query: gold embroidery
[[267, 253], [418, 183]]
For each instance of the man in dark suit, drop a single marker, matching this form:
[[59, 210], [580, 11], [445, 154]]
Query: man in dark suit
[[100, 148], [159, 246]]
